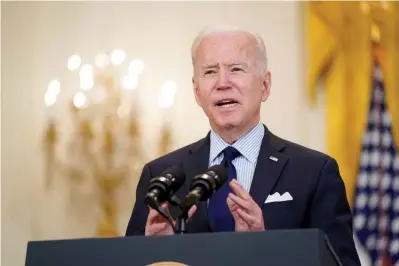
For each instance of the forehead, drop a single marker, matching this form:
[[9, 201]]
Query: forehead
[[226, 47]]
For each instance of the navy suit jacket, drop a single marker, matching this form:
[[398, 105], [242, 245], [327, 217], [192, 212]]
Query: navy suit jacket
[[312, 178]]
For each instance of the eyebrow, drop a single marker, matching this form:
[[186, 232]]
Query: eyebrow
[[238, 64], [229, 65], [210, 66]]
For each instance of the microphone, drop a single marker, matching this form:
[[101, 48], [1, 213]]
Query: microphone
[[202, 188], [205, 185], [162, 187]]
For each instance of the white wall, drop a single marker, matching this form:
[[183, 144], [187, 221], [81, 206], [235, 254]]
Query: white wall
[[39, 37], [0, 140]]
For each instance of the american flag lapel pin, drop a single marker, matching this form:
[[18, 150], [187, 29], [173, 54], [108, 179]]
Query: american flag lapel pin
[[273, 158]]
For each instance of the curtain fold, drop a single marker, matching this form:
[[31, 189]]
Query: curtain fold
[[340, 55]]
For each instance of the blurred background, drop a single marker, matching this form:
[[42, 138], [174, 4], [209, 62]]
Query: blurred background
[[93, 90]]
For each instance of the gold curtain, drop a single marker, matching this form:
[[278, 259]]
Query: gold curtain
[[340, 56]]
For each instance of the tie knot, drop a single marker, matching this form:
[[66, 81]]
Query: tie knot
[[230, 153]]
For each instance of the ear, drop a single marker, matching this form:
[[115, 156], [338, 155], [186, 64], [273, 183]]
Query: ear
[[266, 86], [196, 91]]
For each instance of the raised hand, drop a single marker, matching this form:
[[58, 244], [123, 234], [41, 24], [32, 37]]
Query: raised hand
[[246, 212], [158, 225]]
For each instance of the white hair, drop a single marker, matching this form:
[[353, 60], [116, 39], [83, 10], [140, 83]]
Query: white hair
[[225, 29]]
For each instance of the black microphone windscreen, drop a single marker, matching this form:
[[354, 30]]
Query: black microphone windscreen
[[178, 174], [221, 171]]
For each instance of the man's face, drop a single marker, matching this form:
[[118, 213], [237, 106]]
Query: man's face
[[227, 80]]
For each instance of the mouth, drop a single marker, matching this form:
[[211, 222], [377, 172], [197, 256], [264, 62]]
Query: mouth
[[226, 103]]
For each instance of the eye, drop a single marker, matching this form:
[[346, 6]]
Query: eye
[[235, 69], [208, 72]]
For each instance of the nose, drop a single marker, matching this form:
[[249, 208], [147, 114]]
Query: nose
[[223, 81]]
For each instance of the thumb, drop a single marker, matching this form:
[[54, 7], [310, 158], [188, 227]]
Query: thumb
[[192, 210], [165, 207]]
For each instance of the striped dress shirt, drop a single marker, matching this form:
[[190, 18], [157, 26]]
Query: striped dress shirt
[[248, 145]]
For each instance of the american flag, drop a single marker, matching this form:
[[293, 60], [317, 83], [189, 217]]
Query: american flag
[[376, 208]]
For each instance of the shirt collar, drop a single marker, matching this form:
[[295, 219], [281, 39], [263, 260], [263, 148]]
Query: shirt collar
[[248, 145]]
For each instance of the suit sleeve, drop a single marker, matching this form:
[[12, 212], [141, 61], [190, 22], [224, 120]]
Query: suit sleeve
[[138, 218], [330, 211]]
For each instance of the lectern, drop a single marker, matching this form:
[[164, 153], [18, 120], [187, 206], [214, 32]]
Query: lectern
[[308, 247]]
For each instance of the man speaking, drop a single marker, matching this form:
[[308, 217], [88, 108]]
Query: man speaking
[[272, 183]]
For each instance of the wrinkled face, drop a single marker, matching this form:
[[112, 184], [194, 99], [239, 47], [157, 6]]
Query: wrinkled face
[[228, 83]]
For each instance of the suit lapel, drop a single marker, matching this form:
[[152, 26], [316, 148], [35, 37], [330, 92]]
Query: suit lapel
[[268, 168], [196, 163]]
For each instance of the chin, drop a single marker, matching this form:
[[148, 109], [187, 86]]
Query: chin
[[227, 122]]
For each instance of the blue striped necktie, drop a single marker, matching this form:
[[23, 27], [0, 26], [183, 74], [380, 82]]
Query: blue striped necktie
[[219, 213]]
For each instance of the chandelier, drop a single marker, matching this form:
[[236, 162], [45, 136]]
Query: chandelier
[[98, 145]]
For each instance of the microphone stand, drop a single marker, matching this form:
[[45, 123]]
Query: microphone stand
[[185, 205], [181, 220], [181, 223]]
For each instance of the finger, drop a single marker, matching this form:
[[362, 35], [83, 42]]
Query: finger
[[156, 228], [192, 211], [243, 204], [238, 190], [232, 205], [240, 224], [249, 219], [166, 208], [152, 216], [233, 209]]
